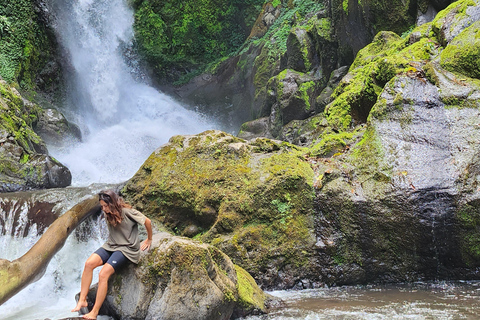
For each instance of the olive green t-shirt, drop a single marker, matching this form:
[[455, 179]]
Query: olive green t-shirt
[[124, 236]]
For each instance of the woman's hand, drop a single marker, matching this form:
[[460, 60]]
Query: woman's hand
[[146, 244]]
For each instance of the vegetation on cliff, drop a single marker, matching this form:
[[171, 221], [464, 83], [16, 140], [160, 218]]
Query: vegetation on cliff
[[180, 38], [25, 42]]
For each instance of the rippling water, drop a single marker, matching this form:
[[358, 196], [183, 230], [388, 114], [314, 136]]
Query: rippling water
[[438, 300]]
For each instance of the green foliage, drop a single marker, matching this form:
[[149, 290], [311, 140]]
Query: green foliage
[[4, 25], [274, 42], [24, 44], [276, 3], [187, 35]]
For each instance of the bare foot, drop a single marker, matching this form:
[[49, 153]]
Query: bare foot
[[91, 316], [80, 305]]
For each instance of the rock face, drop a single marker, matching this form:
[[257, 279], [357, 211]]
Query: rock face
[[311, 38], [401, 204], [253, 200], [180, 279], [24, 160]]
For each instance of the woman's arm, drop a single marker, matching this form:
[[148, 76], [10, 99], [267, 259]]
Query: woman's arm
[[148, 242]]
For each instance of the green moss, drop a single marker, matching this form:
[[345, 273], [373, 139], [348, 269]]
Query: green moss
[[461, 54], [430, 74], [16, 119], [330, 144], [250, 296], [468, 218], [24, 43], [367, 157], [306, 91], [345, 6], [255, 198]]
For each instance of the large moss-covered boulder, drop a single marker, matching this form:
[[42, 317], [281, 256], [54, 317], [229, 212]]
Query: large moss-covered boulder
[[253, 200], [400, 204], [24, 160], [181, 279]]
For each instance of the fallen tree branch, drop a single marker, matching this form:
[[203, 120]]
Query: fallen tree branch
[[17, 274]]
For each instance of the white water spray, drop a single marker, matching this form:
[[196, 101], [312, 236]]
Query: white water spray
[[53, 295], [123, 120]]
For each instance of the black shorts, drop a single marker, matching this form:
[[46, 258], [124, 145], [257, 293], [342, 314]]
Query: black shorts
[[114, 258]]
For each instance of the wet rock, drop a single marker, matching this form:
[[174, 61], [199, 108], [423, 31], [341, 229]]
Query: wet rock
[[325, 96], [55, 130], [300, 50], [254, 129], [454, 20], [291, 97], [264, 20]]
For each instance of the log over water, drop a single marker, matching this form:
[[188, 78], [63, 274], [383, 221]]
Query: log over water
[[17, 274]]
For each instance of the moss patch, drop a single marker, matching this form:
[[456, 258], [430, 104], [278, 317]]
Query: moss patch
[[462, 54], [250, 296]]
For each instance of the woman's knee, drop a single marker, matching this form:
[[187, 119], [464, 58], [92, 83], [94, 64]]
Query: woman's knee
[[105, 273], [93, 262]]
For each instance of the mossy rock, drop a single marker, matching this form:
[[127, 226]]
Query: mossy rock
[[24, 160], [386, 57], [180, 278], [462, 54], [254, 200], [454, 19]]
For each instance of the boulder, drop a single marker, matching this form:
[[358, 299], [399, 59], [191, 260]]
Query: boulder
[[56, 130], [402, 205], [456, 18], [181, 279], [251, 199], [462, 52], [291, 96]]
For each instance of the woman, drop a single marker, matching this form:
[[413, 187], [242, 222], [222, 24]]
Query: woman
[[123, 245]]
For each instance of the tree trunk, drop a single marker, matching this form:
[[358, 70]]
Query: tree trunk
[[17, 274]]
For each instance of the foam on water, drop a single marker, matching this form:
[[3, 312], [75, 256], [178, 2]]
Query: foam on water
[[122, 118]]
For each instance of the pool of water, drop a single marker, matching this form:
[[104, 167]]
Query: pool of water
[[436, 300]]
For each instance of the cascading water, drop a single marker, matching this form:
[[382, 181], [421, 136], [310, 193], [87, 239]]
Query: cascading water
[[53, 295], [123, 120]]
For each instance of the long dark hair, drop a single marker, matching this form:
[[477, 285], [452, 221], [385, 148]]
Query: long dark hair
[[116, 203]]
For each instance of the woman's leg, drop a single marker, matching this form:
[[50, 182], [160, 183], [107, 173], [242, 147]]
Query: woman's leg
[[92, 262], [104, 275]]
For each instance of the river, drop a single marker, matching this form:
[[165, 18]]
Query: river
[[433, 300]]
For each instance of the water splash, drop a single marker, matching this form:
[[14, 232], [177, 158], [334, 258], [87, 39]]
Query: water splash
[[122, 118], [53, 295]]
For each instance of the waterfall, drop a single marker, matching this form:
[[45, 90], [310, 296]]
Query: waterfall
[[123, 119]]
